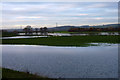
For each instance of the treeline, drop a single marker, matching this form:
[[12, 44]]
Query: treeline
[[93, 29]]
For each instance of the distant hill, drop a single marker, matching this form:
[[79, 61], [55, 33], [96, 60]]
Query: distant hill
[[61, 28], [11, 30], [108, 25], [66, 28]]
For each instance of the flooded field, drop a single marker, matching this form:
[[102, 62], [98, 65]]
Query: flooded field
[[18, 37], [65, 62], [76, 34]]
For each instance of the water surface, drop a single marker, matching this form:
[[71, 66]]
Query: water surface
[[77, 34], [64, 62], [18, 37]]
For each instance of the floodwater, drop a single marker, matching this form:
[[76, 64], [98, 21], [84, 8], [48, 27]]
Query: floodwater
[[58, 34], [18, 37], [77, 34], [65, 62]]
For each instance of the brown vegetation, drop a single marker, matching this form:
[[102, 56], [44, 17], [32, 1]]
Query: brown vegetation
[[93, 29]]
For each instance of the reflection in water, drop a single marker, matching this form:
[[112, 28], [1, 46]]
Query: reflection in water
[[59, 34], [77, 34], [18, 37], [64, 62]]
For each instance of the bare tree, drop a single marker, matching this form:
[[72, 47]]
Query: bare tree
[[45, 30], [28, 30], [36, 30], [41, 31], [25, 30]]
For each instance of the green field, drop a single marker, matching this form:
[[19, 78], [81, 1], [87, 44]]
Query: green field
[[10, 74], [8, 34], [64, 40]]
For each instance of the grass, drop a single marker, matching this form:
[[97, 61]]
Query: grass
[[9, 74], [64, 40], [8, 34]]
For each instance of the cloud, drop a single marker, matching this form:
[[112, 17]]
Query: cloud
[[32, 17], [48, 13], [82, 14], [98, 18], [18, 9], [98, 5]]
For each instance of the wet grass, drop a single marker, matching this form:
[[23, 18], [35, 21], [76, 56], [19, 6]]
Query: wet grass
[[8, 74], [12, 74], [64, 40], [8, 34]]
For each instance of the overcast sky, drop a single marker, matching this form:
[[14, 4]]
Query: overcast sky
[[40, 14]]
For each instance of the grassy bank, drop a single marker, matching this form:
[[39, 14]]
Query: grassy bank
[[8, 34], [64, 40], [8, 73]]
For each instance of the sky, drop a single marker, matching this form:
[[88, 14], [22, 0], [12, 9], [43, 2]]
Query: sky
[[41, 14]]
